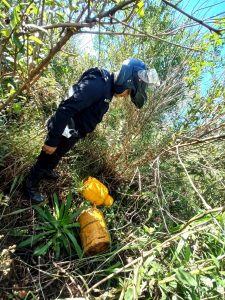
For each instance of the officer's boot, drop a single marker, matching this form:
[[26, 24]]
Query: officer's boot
[[32, 185]]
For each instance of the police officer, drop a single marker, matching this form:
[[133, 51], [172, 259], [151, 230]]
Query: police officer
[[79, 114]]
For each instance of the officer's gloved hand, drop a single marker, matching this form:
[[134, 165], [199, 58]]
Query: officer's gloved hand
[[48, 149]]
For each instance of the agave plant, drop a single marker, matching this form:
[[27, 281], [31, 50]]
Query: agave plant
[[56, 229]]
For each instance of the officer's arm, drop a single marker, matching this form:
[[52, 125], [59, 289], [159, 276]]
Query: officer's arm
[[85, 94]]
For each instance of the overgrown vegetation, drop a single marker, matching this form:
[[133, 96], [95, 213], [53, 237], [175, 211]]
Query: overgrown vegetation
[[57, 227], [164, 164]]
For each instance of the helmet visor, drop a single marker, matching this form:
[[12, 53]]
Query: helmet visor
[[142, 80], [139, 96]]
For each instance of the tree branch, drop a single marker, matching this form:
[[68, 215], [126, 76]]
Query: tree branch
[[114, 33], [40, 68], [206, 205], [112, 11], [154, 36], [192, 18]]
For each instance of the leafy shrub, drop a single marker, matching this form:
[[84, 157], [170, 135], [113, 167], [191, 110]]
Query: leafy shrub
[[55, 229]]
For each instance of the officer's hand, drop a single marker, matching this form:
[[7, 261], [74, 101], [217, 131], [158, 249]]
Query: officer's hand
[[48, 149]]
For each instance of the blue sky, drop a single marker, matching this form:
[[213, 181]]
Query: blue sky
[[205, 10]]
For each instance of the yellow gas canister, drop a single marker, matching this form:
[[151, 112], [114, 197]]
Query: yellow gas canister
[[96, 192], [94, 234]]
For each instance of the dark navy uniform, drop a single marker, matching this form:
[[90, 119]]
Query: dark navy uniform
[[81, 112]]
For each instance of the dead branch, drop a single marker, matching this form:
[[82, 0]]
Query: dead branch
[[192, 143], [206, 205]]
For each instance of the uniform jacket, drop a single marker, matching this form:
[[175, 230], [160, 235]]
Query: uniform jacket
[[86, 107]]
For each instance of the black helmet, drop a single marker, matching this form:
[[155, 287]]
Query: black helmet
[[135, 76]]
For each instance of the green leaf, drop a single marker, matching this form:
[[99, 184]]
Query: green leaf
[[182, 242], [35, 39], [66, 243], [50, 2], [45, 226], [6, 3], [17, 107], [215, 260], [68, 204], [50, 217], [164, 292], [5, 32], [140, 9], [148, 230], [187, 253], [17, 212], [74, 215], [41, 250], [72, 225], [32, 9], [62, 211], [185, 277], [56, 248], [34, 239], [56, 206], [15, 183], [128, 294], [46, 215], [112, 269], [148, 261], [41, 212], [17, 41], [180, 246], [15, 19], [74, 242]]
